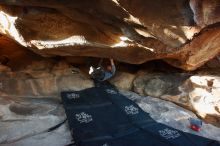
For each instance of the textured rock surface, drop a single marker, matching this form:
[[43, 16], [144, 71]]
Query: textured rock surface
[[197, 92], [30, 103], [43, 79], [179, 32], [25, 121], [16, 56], [123, 80]]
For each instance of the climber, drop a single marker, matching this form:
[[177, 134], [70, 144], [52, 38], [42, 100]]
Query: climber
[[100, 74]]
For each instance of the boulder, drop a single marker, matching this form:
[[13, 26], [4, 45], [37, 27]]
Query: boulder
[[123, 80], [185, 35], [43, 78], [26, 121], [205, 97], [196, 92], [16, 56], [30, 103]]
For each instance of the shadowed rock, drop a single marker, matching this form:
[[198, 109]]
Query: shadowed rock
[[179, 32]]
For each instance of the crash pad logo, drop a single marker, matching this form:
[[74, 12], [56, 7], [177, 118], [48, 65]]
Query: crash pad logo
[[131, 110], [105, 144], [169, 134], [83, 117], [111, 91], [72, 96]]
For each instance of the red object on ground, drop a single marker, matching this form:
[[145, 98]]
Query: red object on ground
[[195, 128]]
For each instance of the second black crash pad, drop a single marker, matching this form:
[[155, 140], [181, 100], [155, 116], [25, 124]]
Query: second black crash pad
[[101, 116]]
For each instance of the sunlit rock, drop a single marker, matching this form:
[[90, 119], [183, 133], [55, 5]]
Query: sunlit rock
[[199, 92], [186, 34]]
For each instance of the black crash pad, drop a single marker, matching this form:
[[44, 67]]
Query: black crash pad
[[101, 116]]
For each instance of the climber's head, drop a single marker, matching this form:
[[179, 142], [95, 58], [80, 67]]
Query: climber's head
[[109, 67]]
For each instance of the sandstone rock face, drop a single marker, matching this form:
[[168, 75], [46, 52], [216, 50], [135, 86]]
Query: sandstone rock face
[[25, 121], [205, 97], [123, 80], [183, 33], [196, 92], [30, 103], [205, 12], [15, 56], [43, 79]]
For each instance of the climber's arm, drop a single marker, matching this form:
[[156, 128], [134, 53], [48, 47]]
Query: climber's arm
[[113, 66]]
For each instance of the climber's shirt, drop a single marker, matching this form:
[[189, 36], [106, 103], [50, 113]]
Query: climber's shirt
[[100, 74]]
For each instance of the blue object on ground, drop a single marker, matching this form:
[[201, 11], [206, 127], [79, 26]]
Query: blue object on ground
[[101, 116], [195, 124]]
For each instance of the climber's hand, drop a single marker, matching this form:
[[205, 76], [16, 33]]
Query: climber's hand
[[112, 61]]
